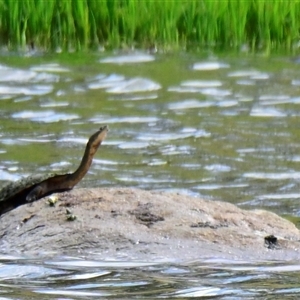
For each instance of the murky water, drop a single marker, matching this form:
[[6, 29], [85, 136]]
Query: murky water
[[222, 127]]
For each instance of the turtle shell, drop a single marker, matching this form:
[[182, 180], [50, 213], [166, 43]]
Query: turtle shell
[[23, 184]]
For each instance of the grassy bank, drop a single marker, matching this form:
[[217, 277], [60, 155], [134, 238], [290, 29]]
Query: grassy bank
[[84, 24]]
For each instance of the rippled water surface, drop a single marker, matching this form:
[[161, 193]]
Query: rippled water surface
[[74, 278], [222, 127]]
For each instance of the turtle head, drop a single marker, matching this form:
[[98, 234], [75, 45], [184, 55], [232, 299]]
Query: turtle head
[[97, 138]]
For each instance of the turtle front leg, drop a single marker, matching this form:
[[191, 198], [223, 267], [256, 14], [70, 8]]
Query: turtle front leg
[[35, 194]]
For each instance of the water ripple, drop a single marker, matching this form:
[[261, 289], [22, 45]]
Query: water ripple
[[209, 66], [134, 85], [8, 74], [202, 83], [273, 176], [244, 73], [103, 81], [133, 145], [218, 168], [118, 84], [29, 90], [7, 176], [80, 278], [173, 136], [52, 68], [108, 120], [128, 59], [48, 116], [259, 111], [187, 104]]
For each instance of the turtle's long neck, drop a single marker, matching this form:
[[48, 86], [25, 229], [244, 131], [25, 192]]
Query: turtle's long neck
[[90, 150]]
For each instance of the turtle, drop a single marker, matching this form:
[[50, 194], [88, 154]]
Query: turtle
[[37, 186]]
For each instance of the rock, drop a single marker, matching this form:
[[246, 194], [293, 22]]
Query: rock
[[136, 224]]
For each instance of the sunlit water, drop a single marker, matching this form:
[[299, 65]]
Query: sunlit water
[[220, 127]]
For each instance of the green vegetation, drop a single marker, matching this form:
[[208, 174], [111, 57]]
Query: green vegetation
[[85, 24]]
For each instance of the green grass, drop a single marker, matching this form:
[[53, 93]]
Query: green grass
[[85, 24]]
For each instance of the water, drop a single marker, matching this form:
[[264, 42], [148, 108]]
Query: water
[[73, 278], [220, 127]]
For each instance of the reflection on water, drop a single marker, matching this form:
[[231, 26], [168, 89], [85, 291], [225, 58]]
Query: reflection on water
[[134, 58], [223, 128], [74, 278], [48, 116]]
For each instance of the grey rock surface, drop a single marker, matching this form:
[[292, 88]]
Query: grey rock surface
[[148, 225]]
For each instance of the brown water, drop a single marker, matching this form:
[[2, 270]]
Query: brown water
[[221, 127]]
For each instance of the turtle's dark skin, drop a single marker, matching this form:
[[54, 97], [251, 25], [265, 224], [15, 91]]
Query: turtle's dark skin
[[38, 186]]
